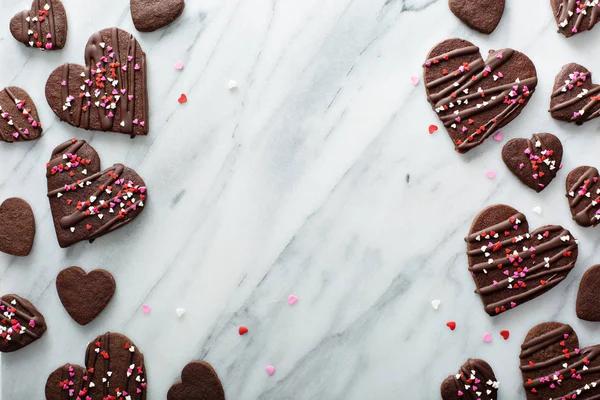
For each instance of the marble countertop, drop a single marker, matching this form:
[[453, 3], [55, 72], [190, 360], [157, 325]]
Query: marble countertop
[[315, 177]]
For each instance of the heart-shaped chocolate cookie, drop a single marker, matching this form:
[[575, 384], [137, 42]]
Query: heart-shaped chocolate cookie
[[150, 15], [17, 227], [199, 381], [108, 93], [44, 26], [481, 15], [588, 305], [114, 369], [84, 296], [21, 323], [472, 97], [575, 16], [87, 202], [554, 367], [20, 120], [575, 98], [475, 379], [583, 193], [534, 161], [511, 265]]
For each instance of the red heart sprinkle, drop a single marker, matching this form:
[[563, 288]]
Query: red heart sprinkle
[[505, 334], [243, 330], [182, 99], [451, 325], [432, 128]]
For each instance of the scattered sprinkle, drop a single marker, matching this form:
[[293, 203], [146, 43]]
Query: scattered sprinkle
[[487, 337], [491, 174], [505, 334], [243, 330], [179, 312], [292, 299], [232, 84], [178, 65], [537, 210], [498, 137], [435, 304], [414, 80], [146, 309], [432, 129], [270, 369], [451, 325], [182, 99]]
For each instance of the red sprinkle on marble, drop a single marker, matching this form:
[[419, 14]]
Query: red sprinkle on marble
[[432, 129], [243, 330], [451, 325], [505, 334], [182, 99]]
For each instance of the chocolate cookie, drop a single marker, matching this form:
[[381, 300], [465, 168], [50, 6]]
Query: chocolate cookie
[[587, 306], [475, 379], [481, 15], [583, 193], [555, 367], [108, 93], [472, 97], [150, 15], [17, 227], [534, 161], [575, 98], [20, 117], [85, 201], [199, 381], [509, 264], [20, 324], [575, 16], [84, 296], [44, 26], [114, 369]]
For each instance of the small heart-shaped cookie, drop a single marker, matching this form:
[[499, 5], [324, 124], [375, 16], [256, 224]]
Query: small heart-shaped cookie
[[199, 381], [481, 15], [583, 193], [84, 296], [20, 120], [534, 161], [511, 265], [575, 16], [150, 15], [475, 379], [575, 98], [44, 26], [555, 367], [87, 202], [114, 369], [472, 97], [17, 227], [108, 93], [587, 306], [21, 323]]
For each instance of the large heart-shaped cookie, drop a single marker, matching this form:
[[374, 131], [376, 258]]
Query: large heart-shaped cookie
[[588, 302], [199, 381], [17, 227], [44, 26], [150, 15], [534, 161], [575, 16], [511, 265], [114, 369], [472, 97], [108, 93], [583, 193], [20, 323], [87, 202], [84, 296], [574, 97], [475, 379], [481, 15], [554, 367], [20, 120]]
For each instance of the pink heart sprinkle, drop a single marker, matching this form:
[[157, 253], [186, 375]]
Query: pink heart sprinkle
[[498, 137], [146, 308], [490, 174], [413, 79], [32, 323], [292, 299], [179, 66], [270, 369], [460, 393]]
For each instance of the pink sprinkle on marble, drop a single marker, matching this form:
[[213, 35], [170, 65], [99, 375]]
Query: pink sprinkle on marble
[[498, 137], [491, 174], [179, 66], [292, 299], [270, 369], [146, 309]]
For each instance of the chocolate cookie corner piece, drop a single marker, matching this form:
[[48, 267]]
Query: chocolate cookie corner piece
[[199, 381], [150, 15], [84, 295], [574, 97], [19, 120], [475, 379], [583, 194], [588, 302], [44, 26], [534, 161], [573, 17], [17, 227], [481, 15], [65, 382], [21, 323], [474, 97]]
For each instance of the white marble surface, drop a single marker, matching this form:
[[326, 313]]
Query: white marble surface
[[296, 182]]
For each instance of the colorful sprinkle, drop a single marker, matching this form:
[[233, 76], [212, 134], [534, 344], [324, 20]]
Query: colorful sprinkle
[[270, 370], [487, 337], [146, 309], [292, 299], [414, 80], [243, 330], [451, 325], [505, 334], [182, 99], [491, 174], [498, 137], [178, 65], [432, 129]]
